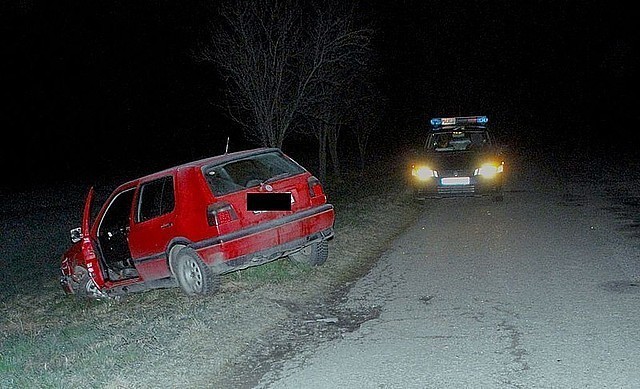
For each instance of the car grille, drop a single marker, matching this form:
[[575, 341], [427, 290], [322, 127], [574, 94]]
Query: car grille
[[455, 173], [457, 189]]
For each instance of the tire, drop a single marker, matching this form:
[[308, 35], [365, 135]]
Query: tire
[[83, 286], [314, 254], [193, 275]]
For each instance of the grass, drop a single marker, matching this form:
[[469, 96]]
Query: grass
[[273, 272], [163, 338]]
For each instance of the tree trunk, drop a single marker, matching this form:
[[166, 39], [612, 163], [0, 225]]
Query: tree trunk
[[322, 154], [332, 137]]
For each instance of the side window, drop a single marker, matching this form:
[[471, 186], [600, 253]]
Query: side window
[[117, 215], [156, 199]]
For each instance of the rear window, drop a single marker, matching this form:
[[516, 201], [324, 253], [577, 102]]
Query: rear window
[[248, 172]]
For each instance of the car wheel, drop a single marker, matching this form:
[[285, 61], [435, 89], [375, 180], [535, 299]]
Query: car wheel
[[193, 275], [314, 254], [82, 284]]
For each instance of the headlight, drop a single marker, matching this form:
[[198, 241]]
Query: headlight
[[489, 170], [423, 173]]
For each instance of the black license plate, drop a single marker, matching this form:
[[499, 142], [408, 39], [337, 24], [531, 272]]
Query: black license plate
[[269, 201]]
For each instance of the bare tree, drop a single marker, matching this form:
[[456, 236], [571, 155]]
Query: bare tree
[[339, 51], [280, 60], [333, 135], [255, 49], [367, 111]]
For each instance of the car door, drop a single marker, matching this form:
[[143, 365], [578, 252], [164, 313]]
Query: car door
[[256, 185], [86, 254], [251, 186], [153, 226], [113, 226]]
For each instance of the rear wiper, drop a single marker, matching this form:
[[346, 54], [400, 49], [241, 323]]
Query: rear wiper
[[274, 178]]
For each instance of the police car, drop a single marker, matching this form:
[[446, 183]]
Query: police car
[[459, 158]]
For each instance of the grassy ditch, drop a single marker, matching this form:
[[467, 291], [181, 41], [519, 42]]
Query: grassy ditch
[[163, 338]]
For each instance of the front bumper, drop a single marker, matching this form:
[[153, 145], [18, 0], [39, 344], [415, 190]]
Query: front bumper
[[438, 187]]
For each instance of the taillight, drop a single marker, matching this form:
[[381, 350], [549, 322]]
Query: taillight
[[220, 213], [315, 189]]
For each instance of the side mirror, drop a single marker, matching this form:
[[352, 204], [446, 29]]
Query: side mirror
[[76, 235]]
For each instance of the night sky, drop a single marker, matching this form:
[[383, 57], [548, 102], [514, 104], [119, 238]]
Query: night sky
[[94, 88]]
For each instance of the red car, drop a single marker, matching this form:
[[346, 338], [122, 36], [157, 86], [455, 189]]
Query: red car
[[188, 225]]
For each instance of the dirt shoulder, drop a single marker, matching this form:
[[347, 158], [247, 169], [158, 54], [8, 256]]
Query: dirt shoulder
[[309, 306]]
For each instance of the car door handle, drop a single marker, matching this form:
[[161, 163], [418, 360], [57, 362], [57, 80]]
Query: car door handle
[[166, 225]]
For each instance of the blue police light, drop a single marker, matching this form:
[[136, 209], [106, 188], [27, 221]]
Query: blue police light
[[439, 122]]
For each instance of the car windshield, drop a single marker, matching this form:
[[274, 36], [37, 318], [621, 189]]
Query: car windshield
[[457, 140], [247, 172]]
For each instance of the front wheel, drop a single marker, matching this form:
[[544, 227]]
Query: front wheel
[[314, 254], [83, 286], [193, 275]]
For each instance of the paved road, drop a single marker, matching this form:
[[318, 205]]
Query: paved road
[[540, 291]]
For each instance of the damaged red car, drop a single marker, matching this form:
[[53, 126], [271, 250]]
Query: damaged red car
[[188, 225]]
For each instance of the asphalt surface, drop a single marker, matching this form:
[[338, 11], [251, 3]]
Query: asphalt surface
[[541, 290]]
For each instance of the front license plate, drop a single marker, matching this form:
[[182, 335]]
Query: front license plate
[[455, 181]]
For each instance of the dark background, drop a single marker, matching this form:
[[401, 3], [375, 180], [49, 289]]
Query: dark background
[[110, 88]]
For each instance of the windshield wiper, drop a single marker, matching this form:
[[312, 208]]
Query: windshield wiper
[[274, 178]]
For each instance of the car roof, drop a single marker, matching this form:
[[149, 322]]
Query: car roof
[[200, 163], [226, 157], [459, 123]]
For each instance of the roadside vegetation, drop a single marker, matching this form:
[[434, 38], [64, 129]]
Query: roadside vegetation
[[321, 60], [164, 338]]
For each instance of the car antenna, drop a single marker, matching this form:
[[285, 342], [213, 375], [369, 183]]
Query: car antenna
[[226, 148]]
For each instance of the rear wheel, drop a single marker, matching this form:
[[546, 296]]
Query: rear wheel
[[193, 275], [314, 254]]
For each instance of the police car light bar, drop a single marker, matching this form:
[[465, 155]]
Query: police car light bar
[[438, 122]]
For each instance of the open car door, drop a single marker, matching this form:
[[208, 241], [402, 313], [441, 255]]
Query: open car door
[[81, 272]]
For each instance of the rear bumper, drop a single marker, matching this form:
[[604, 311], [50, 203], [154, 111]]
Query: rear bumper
[[267, 241], [272, 253]]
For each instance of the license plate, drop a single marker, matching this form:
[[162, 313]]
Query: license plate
[[455, 181], [269, 201], [448, 121]]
